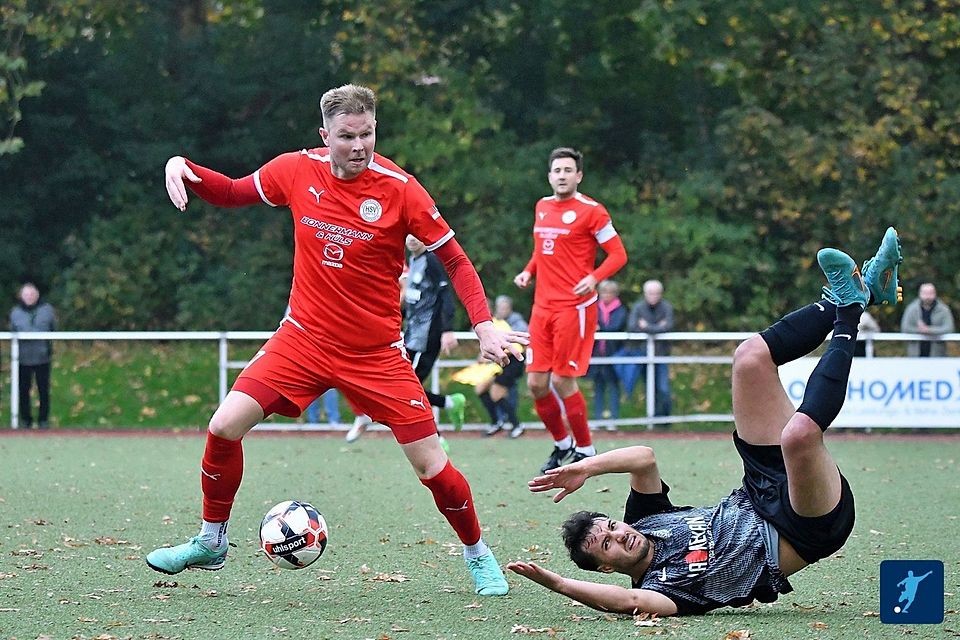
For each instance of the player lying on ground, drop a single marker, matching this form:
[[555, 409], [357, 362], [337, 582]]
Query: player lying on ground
[[352, 210], [794, 507]]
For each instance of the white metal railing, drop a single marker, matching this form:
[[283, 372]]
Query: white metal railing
[[223, 339]]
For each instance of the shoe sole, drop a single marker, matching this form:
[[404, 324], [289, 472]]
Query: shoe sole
[[205, 567]]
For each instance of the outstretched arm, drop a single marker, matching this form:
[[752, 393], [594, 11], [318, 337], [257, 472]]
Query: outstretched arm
[[213, 187], [638, 461], [603, 597]]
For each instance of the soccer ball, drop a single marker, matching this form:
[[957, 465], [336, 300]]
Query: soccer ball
[[293, 534]]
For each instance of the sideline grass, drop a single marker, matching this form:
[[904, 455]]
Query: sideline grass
[[80, 512]]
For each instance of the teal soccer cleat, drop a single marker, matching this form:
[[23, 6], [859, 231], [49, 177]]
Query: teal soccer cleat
[[880, 271], [190, 555], [487, 576], [846, 284]]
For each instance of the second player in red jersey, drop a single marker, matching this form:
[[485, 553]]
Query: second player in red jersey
[[352, 210], [568, 228]]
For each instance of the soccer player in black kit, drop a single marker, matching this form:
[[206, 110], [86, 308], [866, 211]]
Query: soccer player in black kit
[[794, 507]]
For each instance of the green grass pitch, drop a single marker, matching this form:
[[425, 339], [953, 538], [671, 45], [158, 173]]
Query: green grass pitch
[[79, 513]]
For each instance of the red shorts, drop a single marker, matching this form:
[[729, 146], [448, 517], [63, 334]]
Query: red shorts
[[380, 383], [561, 340]]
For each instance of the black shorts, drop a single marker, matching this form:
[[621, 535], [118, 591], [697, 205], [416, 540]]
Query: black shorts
[[510, 374], [765, 480]]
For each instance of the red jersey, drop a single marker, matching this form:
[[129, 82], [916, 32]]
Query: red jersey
[[566, 234], [349, 240]]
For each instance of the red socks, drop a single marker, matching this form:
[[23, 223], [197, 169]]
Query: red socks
[[552, 416], [220, 473], [452, 495], [576, 408]]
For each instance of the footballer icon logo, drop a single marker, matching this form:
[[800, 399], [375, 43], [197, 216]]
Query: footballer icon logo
[[568, 217], [370, 210], [333, 252]]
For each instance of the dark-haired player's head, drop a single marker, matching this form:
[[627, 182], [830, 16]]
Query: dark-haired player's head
[[565, 171], [596, 542]]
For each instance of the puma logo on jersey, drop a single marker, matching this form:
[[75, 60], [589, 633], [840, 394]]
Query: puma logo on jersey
[[316, 194], [463, 508], [418, 403], [542, 214]]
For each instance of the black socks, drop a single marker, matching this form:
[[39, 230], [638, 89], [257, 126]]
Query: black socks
[[800, 332], [827, 387]]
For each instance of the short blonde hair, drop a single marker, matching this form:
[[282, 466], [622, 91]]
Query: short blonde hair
[[348, 99]]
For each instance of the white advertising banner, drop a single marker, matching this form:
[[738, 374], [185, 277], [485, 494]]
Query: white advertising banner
[[890, 392]]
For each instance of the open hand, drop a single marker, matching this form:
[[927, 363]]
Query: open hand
[[175, 172], [538, 574], [497, 346], [567, 478]]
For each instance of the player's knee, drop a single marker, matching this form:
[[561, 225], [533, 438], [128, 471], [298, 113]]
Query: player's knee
[[801, 434], [751, 354], [538, 388]]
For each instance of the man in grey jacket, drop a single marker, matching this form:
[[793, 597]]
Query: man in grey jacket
[[929, 316], [31, 314]]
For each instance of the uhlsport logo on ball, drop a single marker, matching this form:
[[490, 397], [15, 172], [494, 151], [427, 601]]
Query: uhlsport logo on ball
[[293, 534]]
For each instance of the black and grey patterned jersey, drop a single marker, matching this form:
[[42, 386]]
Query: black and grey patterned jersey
[[705, 557]]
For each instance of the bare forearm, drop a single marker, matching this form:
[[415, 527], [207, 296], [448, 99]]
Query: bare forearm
[[614, 599], [626, 460]]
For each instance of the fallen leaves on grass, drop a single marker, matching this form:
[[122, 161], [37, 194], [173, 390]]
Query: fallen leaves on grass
[[397, 628], [354, 619], [738, 634], [603, 490], [4, 575], [871, 614], [107, 540], [646, 620], [389, 577], [165, 583], [473, 605], [477, 619], [26, 553], [819, 625], [524, 629]]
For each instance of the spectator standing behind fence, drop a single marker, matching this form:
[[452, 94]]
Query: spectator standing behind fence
[[653, 314], [611, 316], [331, 406], [867, 327], [32, 314], [567, 229], [499, 393], [929, 316]]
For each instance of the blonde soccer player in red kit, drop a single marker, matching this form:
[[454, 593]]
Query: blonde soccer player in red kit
[[352, 210], [567, 229]]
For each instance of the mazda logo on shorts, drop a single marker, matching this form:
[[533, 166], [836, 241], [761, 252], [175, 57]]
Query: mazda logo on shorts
[[333, 252]]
